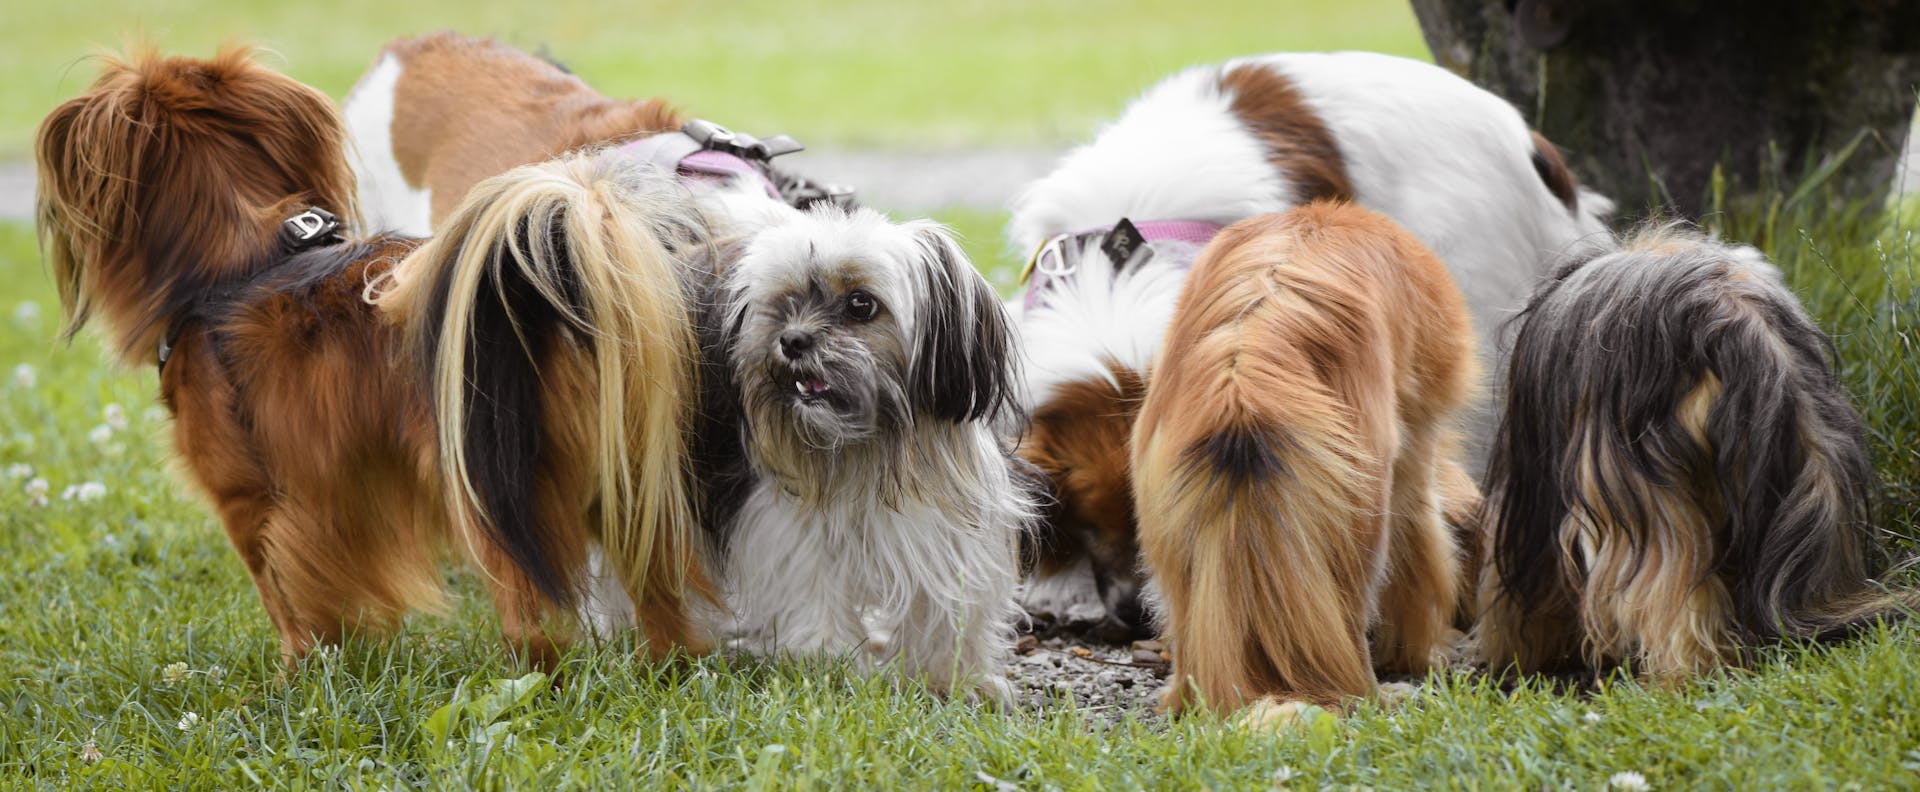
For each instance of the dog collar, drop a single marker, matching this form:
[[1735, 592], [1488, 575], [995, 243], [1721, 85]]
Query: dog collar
[[1059, 256], [311, 228], [706, 151]]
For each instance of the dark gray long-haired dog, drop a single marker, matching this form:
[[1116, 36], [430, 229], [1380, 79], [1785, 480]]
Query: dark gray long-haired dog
[[1678, 475]]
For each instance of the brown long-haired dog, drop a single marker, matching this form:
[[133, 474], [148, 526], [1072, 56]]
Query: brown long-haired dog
[[1678, 476], [298, 408], [1288, 460]]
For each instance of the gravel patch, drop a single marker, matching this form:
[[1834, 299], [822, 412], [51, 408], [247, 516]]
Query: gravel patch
[[1104, 681]]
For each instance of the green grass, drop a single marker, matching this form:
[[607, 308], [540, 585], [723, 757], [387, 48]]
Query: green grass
[[895, 73], [98, 598], [101, 598]]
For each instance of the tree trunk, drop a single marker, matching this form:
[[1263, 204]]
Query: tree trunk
[[1646, 97]]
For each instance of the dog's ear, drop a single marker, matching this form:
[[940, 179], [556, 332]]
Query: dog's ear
[[964, 367]]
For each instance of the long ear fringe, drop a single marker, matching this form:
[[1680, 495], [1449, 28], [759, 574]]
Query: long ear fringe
[[575, 254], [964, 368]]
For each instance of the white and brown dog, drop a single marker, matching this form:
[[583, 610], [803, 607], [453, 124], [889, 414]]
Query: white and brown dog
[[437, 114], [1213, 145]]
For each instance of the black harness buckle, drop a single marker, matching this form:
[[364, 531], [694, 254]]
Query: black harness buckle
[[312, 228], [309, 229]]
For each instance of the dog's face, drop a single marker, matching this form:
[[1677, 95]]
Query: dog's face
[[846, 329]]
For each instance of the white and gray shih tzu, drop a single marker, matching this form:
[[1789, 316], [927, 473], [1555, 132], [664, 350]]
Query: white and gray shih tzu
[[881, 516]]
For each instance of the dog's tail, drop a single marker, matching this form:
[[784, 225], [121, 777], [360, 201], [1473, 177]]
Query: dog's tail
[[1259, 493], [557, 331], [1700, 431]]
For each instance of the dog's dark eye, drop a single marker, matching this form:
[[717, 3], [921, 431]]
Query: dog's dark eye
[[862, 307]]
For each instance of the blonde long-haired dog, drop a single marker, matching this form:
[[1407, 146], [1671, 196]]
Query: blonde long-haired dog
[[1287, 462], [553, 319]]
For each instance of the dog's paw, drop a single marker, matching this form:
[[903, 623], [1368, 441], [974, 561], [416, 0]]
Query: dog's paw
[[1393, 696], [1271, 714], [993, 691]]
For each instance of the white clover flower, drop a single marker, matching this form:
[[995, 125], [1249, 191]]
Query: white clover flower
[[1284, 774], [309, 712], [174, 672], [101, 435], [19, 470], [90, 752], [23, 377], [84, 491], [188, 721], [1629, 781], [115, 417], [1593, 717], [37, 491], [26, 314], [217, 672]]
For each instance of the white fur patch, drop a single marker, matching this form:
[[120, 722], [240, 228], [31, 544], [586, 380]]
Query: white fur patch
[[387, 202], [1451, 162]]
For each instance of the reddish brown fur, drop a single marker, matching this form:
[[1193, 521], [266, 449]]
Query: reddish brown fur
[[294, 409], [1554, 173], [1079, 439], [1332, 342], [1298, 143], [466, 109]]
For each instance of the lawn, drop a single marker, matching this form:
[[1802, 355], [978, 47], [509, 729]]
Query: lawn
[[900, 74], [133, 653]]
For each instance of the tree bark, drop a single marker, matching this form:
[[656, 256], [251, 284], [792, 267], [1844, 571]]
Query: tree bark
[[1646, 98]]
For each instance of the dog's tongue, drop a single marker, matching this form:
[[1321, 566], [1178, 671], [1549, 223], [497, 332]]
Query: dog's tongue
[[812, 387]]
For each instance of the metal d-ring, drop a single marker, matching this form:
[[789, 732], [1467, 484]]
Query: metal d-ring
[[1052, 259]]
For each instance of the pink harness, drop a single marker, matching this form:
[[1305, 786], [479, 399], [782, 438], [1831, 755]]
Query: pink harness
[[680, 153], [1058, 257]]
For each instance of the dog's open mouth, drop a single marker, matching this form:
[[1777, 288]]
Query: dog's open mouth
[[811, 389]]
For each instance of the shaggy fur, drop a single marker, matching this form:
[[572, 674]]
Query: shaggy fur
[[296, 408], [1452, 163], [558, 291], [1679, 475], [1288, 459], [876, 372]]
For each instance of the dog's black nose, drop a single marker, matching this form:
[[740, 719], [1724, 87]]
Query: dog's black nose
[[794, 342]]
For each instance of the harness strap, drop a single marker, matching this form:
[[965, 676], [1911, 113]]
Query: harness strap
[[706, 151], [314, 227], [1058, 258]]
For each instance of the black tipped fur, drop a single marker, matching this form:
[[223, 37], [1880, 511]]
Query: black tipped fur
[[964, 367], [1239, 454], [513, 326], [718, 460], [1608, 351]]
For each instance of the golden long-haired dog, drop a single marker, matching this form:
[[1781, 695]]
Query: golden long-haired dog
[[303, 414], [1287, 462], [1678, 476]]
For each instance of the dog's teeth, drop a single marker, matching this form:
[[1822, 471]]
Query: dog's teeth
[[800, 386]]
